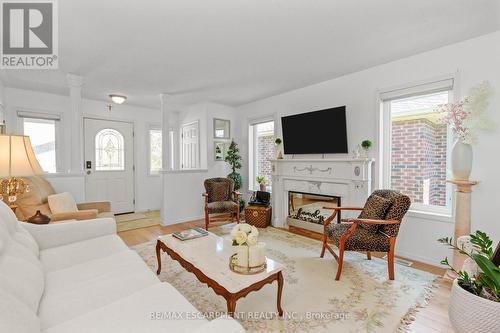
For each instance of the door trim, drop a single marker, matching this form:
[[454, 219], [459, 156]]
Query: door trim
[[134, 155]]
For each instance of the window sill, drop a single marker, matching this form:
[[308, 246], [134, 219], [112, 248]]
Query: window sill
[[426, 215]]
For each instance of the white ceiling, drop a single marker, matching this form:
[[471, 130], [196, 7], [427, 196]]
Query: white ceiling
[[236, 51]]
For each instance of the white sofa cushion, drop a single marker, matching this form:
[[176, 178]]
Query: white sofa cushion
[[76, 253], [22, 236], [135, 314], [73, 277], [64, 302], [16, 316], [62, 203]]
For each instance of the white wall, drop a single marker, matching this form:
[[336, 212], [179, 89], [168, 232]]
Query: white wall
[[475, 60], [148, 188], [182, 189]]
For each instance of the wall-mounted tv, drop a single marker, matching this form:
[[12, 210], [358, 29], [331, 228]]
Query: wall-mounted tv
[[317, 132]]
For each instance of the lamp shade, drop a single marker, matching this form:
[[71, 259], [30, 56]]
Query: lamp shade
[[17, 158]]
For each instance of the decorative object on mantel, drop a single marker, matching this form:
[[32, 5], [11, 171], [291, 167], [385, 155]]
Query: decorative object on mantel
[[465, 118], [462, 218], [39, 218], [219, 150], [366, 145], [475, 295], [261, 180], [20, 161], [250, 257], [356, 153], [277, 142]]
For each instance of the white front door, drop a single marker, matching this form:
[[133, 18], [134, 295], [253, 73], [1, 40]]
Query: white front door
[[109, 163], [190, 144]]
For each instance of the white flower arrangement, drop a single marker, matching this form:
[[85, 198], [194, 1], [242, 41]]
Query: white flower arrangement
[[244, 234]]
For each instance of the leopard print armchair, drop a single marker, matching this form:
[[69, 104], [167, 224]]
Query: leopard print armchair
[[375, 229], [220, 198]]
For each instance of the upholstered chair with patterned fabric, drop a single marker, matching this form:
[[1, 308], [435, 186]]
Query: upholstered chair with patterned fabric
[[221, 198], [375, 230]]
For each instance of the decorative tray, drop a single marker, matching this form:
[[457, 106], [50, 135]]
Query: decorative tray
[[243, 269]]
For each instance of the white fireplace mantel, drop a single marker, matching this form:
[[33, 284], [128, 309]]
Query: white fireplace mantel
[[347, 178]]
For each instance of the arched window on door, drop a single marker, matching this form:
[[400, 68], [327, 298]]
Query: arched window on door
[[109, 150]]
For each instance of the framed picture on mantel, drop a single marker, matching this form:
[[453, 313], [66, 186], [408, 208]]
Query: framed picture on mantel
[[220, 150]]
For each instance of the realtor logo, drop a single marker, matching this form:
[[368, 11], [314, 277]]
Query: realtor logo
[[29, 34]]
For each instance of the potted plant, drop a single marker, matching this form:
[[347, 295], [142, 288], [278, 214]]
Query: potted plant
[[366, 145], [233, 158], [261, 180], [278, 142], [465, 118], [475, 294]]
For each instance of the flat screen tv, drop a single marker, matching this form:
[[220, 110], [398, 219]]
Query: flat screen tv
[[317, 132]]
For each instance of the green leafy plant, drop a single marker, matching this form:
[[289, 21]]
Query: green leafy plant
[[233, 158], [366, 144], [486, 283], [260, 179], [277, 141]]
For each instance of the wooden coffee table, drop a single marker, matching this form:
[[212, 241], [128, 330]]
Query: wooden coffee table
[[208, 258]]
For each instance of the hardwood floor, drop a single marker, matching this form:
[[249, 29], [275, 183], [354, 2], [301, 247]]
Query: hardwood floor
[[431, 319]]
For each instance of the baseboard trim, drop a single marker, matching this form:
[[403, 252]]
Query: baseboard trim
[[425, 260], [186, 219]]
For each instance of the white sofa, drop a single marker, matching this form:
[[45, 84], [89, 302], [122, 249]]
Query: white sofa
[[80, 277]]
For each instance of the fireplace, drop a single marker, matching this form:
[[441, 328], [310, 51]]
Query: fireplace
[[317, 183], [309, 210]]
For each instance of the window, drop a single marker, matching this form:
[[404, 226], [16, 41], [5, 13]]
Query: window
[[155, 141], [109, 150], [416, 147], [261, 152], [43, 133]]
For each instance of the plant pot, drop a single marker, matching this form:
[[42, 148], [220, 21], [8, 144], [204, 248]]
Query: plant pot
[[262, 187], [471, 313], [461, 160]]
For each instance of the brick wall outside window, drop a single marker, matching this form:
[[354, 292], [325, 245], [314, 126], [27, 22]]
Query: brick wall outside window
[[418, 161], [265, 153]]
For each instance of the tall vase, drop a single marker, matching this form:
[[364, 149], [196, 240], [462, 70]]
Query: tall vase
[[461, 160]]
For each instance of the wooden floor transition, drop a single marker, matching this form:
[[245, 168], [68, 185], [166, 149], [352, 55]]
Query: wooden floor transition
[[430, 319]]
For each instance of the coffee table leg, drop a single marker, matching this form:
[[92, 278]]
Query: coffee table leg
[[158, 257], [231, 306], [280, 290]]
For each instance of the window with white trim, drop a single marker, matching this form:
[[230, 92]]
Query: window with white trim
[[261, 152], [416, 145], [155, 151], [43, 131]]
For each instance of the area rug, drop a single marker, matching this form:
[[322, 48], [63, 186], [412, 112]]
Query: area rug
[[132, 221], [364, 300]]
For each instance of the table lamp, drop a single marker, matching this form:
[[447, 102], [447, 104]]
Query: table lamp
[[17, 160]]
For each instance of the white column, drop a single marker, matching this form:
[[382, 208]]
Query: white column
[[166, 124], [75, 84], [165, 156]]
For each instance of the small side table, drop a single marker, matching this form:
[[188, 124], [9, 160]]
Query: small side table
[[258, 216]]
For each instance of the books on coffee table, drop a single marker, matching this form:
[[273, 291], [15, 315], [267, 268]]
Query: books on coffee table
[[190, 234]]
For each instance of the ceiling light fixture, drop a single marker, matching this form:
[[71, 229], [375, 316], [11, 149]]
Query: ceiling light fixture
[[118, 99]]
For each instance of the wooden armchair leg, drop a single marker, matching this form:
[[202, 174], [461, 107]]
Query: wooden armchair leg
[[238, 215], [368, 255], [325, 239], [340, 261], [207, 220], [390, 257]]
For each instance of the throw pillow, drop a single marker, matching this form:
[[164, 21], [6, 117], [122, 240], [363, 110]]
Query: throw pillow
[[62, 203], [375, 208]]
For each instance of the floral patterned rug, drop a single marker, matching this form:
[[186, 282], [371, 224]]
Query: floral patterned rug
[[364, 300]]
